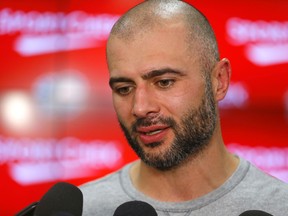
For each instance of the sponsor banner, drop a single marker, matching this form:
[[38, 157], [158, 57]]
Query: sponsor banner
[[36, 161], [265, 42], [49, 32]]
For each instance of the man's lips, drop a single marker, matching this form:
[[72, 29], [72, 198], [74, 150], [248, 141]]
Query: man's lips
[[152, 134]]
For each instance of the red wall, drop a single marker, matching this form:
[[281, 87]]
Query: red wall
[[57, 122]]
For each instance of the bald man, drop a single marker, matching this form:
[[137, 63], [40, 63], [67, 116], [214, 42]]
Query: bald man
[[167, 79]]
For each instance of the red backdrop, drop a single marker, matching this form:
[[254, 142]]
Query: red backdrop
[[56, 117]]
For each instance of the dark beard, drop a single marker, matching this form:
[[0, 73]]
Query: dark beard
[[192, 135]]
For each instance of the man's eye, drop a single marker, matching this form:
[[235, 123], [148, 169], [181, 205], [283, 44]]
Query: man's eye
[[124, 90], [165, 83]]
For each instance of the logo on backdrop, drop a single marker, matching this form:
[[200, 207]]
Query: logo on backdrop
[[32, 161], [48, 32], [266, 43]]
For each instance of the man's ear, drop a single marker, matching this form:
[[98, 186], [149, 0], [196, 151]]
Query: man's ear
[[221, 78]]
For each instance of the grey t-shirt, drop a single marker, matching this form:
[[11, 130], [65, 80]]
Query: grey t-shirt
[[247, 189]]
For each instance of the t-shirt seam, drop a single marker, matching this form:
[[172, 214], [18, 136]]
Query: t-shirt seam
[[123, 185], [187, 210]]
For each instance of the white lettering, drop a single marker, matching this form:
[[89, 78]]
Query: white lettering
[[32, 161], [35, 150], [34, 22], [242, 31]]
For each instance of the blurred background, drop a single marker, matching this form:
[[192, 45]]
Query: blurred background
[[57, 122]]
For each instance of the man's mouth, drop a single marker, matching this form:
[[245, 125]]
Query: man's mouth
[[152, 134]]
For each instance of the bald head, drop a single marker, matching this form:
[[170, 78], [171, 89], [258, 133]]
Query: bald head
[[151, 14]]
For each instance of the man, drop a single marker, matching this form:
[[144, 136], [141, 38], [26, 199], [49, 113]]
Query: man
[[167, 79]]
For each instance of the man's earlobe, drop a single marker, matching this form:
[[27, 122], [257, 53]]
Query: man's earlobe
[[221, 76]]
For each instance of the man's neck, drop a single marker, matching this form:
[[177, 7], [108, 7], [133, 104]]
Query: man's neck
[[191, 180]]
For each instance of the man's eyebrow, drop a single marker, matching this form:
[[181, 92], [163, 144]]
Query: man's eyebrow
[[146, 76], [113, 80], [160, 72]]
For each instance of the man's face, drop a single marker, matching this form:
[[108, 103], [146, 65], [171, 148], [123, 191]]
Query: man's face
[[164, 104]]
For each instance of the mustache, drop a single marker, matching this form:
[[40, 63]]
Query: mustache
[[146, 122]]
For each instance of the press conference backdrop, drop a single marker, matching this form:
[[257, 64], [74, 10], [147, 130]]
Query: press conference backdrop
[[57, 122]]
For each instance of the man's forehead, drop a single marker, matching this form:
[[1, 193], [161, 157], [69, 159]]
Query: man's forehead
[[141, 33]]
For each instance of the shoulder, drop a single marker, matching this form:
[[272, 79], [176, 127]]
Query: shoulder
[[260, 190], [250, 188], [258, 184], [265, 181]]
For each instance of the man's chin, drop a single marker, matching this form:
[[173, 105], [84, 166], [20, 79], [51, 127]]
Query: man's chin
[[159, 165], [153, 144]]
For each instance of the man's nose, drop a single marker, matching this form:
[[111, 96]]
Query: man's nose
[[144, 103]]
